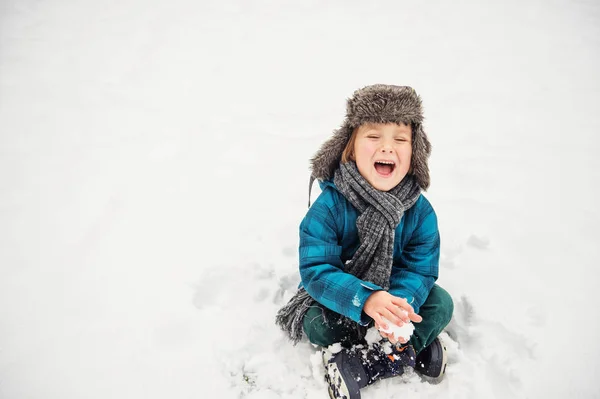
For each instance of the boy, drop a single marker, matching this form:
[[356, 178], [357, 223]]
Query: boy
[[369, 246]]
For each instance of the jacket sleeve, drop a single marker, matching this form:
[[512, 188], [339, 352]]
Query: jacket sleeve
[[321, 267], [418, 271]]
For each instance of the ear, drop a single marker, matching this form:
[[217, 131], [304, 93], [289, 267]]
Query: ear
[[420, 154]]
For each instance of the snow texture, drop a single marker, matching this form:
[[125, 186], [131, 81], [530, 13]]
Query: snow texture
[[372, 336], [405, 331], [154, 167], [335, 348]]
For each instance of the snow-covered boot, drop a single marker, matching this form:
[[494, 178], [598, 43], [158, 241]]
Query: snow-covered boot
[[348, 371], [431, 361]]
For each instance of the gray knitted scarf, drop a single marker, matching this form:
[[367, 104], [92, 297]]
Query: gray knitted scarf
[[379, 214]]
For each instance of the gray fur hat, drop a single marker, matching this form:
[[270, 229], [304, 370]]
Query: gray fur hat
[[377, 104]]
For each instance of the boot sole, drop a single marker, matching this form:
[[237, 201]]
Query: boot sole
[[341, 386]]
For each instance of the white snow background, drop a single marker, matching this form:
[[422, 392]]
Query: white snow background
[[154, 169]]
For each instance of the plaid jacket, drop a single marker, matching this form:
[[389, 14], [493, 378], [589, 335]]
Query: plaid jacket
[[329, 238]]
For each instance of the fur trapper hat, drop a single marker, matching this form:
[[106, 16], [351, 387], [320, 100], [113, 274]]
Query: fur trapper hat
[[377, 104]]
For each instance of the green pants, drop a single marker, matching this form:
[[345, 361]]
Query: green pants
[[436, 313]]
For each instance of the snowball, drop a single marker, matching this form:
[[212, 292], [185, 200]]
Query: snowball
[[405, 331]]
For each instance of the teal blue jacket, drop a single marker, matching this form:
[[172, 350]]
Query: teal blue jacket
[[329, 238]]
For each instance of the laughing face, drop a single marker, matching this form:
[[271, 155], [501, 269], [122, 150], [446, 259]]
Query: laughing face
[[382, 153]]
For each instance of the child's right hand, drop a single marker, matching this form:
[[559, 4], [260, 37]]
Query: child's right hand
[[396, 310]]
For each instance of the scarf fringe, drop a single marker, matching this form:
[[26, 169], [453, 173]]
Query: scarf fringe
[[291, 317]]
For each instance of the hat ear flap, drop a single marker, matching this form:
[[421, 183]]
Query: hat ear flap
[[421, 149], [328, 158]]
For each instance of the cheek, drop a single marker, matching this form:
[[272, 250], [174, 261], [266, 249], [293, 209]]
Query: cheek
[[405, 155], [363, 151]]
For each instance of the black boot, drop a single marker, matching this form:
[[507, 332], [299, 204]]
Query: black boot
[[352, 369], [431, 361]]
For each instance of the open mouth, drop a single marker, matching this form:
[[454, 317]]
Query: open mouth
[[385, 168]]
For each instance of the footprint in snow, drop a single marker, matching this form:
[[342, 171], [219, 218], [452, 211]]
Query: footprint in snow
[[478, 242], [459, 327]]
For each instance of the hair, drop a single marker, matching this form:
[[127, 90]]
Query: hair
[[348, 153]]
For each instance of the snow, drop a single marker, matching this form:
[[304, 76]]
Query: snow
[[405, 330], [372, 336], [335, 348], [154, 168]]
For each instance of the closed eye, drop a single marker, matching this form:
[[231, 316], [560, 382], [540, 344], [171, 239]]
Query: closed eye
[[401, 140]]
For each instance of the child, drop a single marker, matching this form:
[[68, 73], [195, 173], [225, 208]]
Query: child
[[369, 246]]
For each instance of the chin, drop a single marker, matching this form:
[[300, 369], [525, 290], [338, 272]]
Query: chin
[[385, 186]]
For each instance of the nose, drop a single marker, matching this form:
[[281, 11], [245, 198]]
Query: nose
[[387, 145]]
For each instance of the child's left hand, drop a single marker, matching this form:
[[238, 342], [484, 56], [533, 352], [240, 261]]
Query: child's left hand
[[390, 336]]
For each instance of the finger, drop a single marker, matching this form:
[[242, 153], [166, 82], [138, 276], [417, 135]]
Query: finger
[[388, 336], [399, 339], [415, 317], [399, 301], [392, 318], [401, 313], [379, 321], [402, 303], [392, 338]]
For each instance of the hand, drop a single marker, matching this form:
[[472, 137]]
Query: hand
[[396, 310], [391, 337]]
